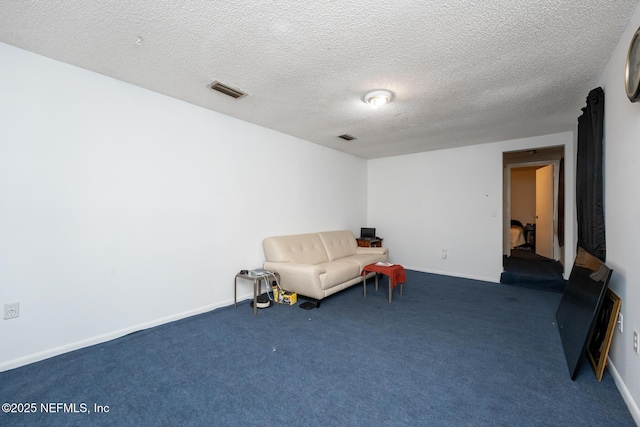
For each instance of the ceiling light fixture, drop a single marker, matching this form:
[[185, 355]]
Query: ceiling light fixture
[[378, 98]]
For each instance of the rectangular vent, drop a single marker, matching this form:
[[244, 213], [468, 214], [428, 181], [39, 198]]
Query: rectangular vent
[[222, 88], [347, 137]]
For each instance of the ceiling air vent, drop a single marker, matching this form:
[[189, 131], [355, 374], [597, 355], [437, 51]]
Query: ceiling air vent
[[347, 137], [234, 93]]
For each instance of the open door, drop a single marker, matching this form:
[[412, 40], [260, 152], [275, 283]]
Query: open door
[[544, 212]]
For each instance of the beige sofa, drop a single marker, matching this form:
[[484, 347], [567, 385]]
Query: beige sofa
[[317, 265]]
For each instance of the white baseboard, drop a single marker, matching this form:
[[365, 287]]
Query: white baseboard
[[36, 357], [624, 391], [461, 276]]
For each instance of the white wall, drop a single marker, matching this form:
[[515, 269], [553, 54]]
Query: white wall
[[622, 213], [452, 200], [121, 208]]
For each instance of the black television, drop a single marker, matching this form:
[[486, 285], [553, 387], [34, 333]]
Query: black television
[[580, 304], [367, 233]]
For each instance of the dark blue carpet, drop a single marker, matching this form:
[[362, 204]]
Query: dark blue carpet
[[449, 352]]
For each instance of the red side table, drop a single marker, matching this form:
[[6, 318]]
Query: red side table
[[395, 272]]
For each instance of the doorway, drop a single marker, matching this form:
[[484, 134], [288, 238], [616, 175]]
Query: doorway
[[532, 249], [532, 204]]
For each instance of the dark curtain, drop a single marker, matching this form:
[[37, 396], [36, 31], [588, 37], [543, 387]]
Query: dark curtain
[[561, 204], [589, 197]]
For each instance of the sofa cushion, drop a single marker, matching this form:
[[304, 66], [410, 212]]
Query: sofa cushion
[[338, 272], [338, 244], [298, 248]]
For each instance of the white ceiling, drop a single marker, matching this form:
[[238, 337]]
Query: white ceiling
[[463, 71]]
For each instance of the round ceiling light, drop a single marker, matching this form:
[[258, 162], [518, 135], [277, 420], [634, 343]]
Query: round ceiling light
[[378, 98]]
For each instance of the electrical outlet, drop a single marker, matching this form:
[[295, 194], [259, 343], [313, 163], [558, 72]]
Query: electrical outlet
[[636, 347], [11, 310], [444, 254], [620, 323]]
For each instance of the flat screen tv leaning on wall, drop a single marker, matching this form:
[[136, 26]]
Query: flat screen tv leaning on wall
[[580, 304]]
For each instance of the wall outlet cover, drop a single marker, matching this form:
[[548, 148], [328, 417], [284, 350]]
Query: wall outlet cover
[[11, 310], [620, 322]]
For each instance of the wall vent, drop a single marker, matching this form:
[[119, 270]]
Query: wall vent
[[347, 137], [227, 90]]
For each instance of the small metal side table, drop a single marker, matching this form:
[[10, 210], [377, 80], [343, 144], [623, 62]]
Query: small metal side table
[[257, 286]]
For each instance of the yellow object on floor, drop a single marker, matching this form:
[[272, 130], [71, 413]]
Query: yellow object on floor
[[285, 297]]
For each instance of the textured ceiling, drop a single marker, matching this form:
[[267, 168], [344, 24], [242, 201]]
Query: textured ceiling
[[463, 71]]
